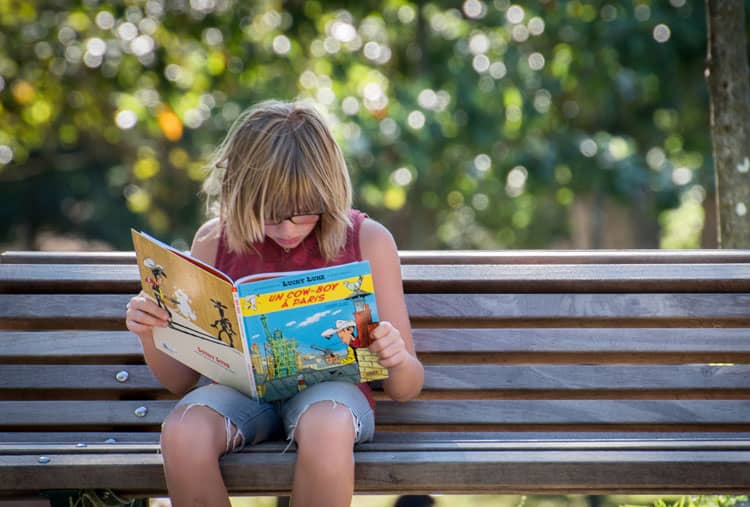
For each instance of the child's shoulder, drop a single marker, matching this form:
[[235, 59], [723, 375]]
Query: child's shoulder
[[375, 238], [206, 241]]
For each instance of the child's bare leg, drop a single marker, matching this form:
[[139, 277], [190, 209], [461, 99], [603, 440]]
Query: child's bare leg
[[192, 440], [324, 472]]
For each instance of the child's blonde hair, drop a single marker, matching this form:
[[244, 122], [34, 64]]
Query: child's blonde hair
[[278, 159]]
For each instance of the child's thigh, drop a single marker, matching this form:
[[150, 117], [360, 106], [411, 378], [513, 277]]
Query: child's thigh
[[246, 421], [338, 393]]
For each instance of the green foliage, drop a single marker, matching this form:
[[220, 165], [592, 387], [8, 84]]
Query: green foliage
[[697, 501], [473, 125]]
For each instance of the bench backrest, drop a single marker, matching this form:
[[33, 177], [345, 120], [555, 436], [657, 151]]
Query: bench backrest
[[648, 342]]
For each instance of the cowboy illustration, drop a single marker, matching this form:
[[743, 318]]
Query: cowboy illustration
[[223, 324], [345, 331], [157, 273]]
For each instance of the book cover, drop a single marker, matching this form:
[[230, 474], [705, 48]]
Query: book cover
[[268, 335], [310, 327]]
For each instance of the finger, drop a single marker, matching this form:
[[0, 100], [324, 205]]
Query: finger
[[145, 318], [137, 328], [390, 351], [384, 328], [387, 334], [378, 345], [393, 361], [387, 340], [147, 306]]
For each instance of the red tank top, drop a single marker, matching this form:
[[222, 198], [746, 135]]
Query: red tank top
[[268, 256]]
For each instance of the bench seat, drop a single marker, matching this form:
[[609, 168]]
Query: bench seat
[[585, 372]]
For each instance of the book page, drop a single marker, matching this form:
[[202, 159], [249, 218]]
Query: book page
[[185, 255], [204, 330]]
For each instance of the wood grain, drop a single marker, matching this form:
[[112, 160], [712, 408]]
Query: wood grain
[[450, 413], [443, 257], [698, 277], [107, 311], [549, 372], [413, 471]]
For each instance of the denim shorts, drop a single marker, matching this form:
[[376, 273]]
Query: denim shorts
[[258, 421]]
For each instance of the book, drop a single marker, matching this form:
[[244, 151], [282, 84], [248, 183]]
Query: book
[[268, 335]]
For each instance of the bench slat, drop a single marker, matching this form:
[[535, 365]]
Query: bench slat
[[70, 442], [63, 311], [582, 340], [88, 278], [416, 444], [579, 309], [734, 277], [573, 256], [106, 311], [70, 346], [77, 377], [114, 347], [413, 471], [11, 439], [609, 378], [61, 413], [34, 257], [430, 412], [566, 412], [443, 257], [476, 377], [578, 278], [445, 445]]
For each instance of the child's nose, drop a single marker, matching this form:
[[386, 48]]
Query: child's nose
[[286, 226]]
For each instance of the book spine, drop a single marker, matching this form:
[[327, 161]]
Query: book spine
[[245, 342]]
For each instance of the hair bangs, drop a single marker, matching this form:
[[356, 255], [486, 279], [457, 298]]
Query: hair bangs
[[294, 191]]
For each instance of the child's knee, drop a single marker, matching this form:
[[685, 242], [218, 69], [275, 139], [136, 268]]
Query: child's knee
[[194, 432], [327, 425]]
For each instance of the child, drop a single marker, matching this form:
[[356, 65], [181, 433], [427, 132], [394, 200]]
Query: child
[[284, 199]]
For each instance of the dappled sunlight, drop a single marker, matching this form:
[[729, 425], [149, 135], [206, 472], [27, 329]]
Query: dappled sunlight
[[447, 115]]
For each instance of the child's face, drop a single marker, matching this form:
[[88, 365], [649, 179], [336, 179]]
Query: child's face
[[288, 234]]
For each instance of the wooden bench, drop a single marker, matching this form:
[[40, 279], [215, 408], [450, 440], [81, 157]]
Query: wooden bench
[[546, 372]]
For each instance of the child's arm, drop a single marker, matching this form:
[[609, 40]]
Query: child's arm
[[392, 338], [143, 315]]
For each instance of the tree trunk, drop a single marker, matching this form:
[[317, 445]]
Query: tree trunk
[[727, 75]]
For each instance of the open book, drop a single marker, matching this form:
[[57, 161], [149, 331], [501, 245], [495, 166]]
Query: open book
[[268, 335]]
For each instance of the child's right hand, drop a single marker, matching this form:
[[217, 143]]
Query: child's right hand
[[143, 315]]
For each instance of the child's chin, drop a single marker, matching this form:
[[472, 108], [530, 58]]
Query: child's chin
[[288, 245]]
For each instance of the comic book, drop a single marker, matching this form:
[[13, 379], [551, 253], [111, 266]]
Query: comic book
[[269, 335]]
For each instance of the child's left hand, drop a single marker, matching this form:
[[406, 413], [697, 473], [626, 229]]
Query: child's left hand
[[389, 345]]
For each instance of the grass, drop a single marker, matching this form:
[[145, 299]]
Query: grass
[[389, 500]]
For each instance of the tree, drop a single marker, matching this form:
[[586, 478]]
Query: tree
[[729, 85], [474, 124]]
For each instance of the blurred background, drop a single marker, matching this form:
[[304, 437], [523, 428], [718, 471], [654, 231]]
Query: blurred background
[[475, 124], [509, 501], [512, 501], [488, 124]]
